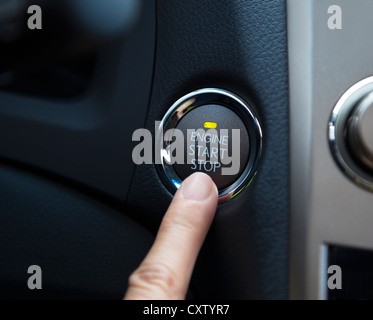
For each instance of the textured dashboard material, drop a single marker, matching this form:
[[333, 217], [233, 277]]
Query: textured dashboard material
[[240, 46], [85, 249]]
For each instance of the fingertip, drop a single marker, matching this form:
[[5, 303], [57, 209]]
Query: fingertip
[[199, 187], [166, 270]]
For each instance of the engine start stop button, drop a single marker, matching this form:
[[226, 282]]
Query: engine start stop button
[[210, 146], [212, 131]]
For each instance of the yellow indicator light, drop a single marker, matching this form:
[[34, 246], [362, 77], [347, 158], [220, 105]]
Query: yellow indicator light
[[210, 125]]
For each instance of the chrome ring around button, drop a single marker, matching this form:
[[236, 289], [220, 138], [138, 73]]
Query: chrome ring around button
[[199, 98], [341, 121]]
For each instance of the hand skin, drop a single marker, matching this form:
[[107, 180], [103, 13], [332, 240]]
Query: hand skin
[[166, 270]]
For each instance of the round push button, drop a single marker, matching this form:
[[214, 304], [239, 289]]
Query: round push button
[[211, 150], [211, 131]]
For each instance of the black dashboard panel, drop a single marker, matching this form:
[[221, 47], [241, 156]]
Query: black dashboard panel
[[239, 46]]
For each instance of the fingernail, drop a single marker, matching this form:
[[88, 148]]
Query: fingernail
[[197, 187]]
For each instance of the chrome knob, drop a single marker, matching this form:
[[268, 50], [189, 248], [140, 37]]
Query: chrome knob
[[360, 131]]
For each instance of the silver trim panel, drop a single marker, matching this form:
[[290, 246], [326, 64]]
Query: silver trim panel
[[326, 208]]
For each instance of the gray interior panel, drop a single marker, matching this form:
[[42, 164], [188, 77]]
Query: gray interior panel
[[326, 206]]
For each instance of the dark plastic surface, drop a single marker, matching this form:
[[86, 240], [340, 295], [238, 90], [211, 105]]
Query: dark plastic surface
[[239, 46], [89, 138], [86, 250], [225, 119], [68, 28]]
